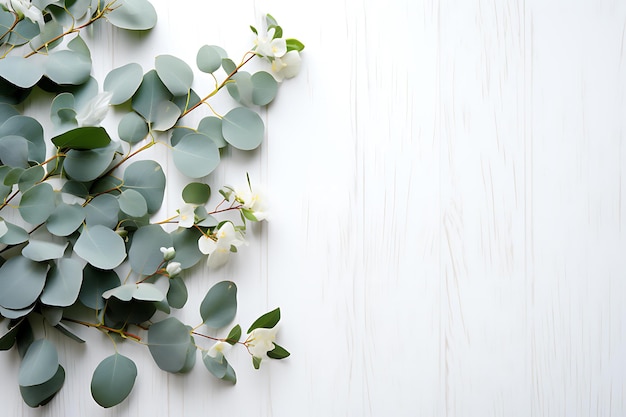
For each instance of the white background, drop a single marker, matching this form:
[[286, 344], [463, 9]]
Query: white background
[[446, 195]]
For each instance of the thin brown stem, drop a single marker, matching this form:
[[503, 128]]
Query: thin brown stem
[[102, 327]]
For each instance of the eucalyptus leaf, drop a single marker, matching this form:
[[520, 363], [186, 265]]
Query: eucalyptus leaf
[[52, 315], [177, 293], [166, 116], [65, 219], [151, 93], [185, 241], [132, 128], [16, 314], [241, 88], [217, 366], [133, 15], [95, 282], [39, 365], [90, 164], [219, 306], [212, 127], [31, 130], [169, 342], [144, 254], [14, 151], [113, 380], [209, 58], [264, 88], [30, 177], [37, 395], [14, 235], [37, 203], [132, 203], [243, 128], [175, 74], [6, 112], [20, 71], [68, 67], [147, 178], [102, 210], [123, 82], [101, 247], [7, 340], [46, 39], [63, 283], [196, 155], [39, 250], [68, 332], [196, 193]]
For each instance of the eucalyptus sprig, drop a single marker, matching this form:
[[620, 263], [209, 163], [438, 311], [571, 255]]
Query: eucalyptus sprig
[[80, 244]]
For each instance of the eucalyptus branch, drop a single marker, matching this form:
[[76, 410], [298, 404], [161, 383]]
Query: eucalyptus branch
[[15, 22], [102, 327]]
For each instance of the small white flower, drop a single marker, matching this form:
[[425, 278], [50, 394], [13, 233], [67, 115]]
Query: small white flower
[[95, 111], [287, 66], [168, 253], [269, 47], [173, 269], [252, 201], [186, 216], [218, 349], [219, 250], [24, 9], [261, 341]]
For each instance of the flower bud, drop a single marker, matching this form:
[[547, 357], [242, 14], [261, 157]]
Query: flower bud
[[168, 253]]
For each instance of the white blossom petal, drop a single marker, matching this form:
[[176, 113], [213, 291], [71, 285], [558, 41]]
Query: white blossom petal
[[95, 111], [206, 245], [261, 341], [173, 269], [218, 349], [186, 216]]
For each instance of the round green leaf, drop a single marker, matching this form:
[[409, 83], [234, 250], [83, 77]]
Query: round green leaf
[[264, 89], [14, 151], [212, 127], [20, 71], [88, 165], [133, 203], [63, 283], [217, 366], [209, 58], [185, 241], [37, 203], [144, 254], [166, 116], [148, 292], [242, 87], [113, 380], [243, 128], [196, 155], [65, 219], [132, 128], [102, 210], [36, 395], [151, 93], [31, 130], [219, 305], [133, 15], [39, 365], [123, 82], [147, 178], [68, 67], [30, 177], [38, 250], [175, 74], [95, 283], [101, 247], [196, 193], [177, 293], [14, 235], [169, 343]]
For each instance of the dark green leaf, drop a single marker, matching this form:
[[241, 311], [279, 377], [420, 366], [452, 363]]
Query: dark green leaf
[[169, 344], [113, 380], [144, 254], [278, 352], [196, 193], [37, 395], [40, 363], [234, 335], [219, 306], [147, 178], [21, 282], [83, 138], [95, 283], [266, 321], [294, 45]]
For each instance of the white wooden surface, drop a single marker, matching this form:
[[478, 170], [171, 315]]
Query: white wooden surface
[[446, 235]]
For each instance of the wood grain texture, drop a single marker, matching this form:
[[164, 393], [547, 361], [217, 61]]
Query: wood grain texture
[[446, 235]]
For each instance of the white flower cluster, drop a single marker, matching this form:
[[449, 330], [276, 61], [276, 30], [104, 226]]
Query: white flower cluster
[[285, 64]]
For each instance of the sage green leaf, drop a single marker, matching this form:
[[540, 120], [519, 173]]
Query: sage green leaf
[[6, 112], [77, 44], [65, 219], [95, 283], [5, 189], [212, 127], [101, 247], [16, 314], [151, 93], [12, 177], [14, 151], [264, 88], [37, 203], [37, 395], [133, 15], [278, 352], [190, 360], [144, 254], [88, 165], [39, 250], [230, 376], [102, 210], [31, 130], [7, 340], [39, 365], [68, 332], [30, 177], [196, 155], [52, 315], [196, 193], [217, 366], [243, 128], [209, 58], [132, 203], [83, 138], [63, 284], [119, 313], [169, 342], [132, 128], [166, 116], [241, 89], [209, 221], [234, 335], [122, 293], [146, 177], [76, 188], [12, 94], [177, 293], [113, 380], [175, 74], [219, 306], [123, 82], [68, 67], [185, 241], [266, 321], [48, 39], [228, 65], [294, 45], [185, 102], [20, 71], [24, 31], [14, 236], [143, 291], [178, 133]]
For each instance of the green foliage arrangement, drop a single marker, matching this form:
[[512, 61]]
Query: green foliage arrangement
[[78, 245]]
